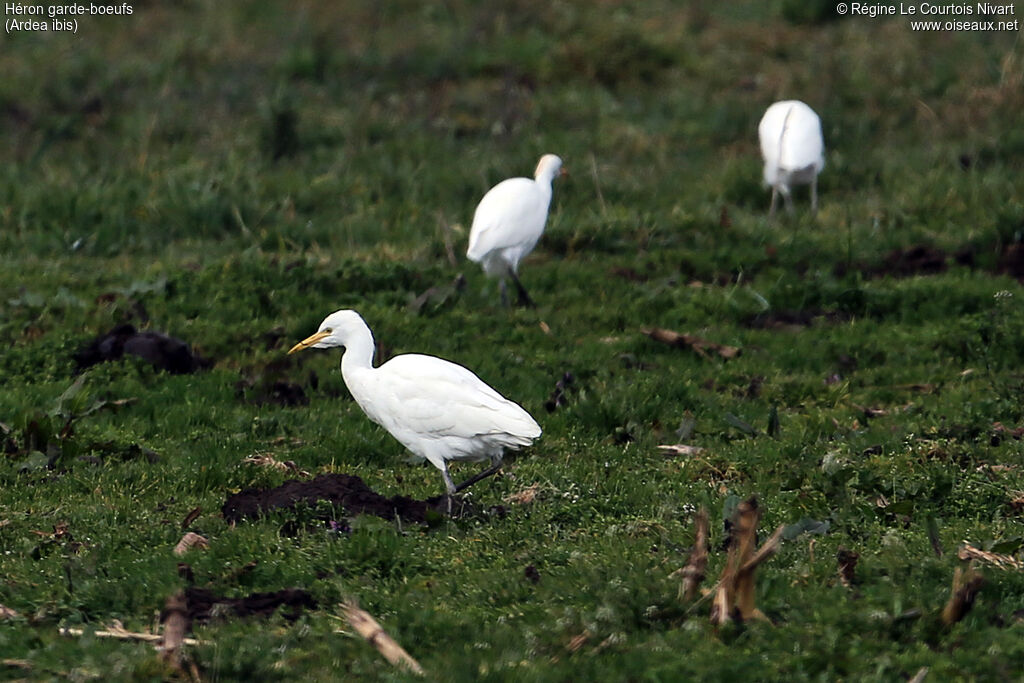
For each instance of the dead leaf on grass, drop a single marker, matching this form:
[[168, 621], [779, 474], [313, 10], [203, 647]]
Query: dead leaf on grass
[[699, 345], [189, 541], [1005, 562], [525, 496], [681, 449], [268, 460], [996, 468], [1015, 432]]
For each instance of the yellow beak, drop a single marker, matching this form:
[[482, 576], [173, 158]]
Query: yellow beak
[[309, 341]]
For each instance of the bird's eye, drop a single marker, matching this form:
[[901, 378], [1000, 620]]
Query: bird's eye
[[328, 330]]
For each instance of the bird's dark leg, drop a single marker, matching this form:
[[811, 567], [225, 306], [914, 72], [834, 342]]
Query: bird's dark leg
[[450, 489], [524, 297], [775, 199], [504, 292], [814, 195], [493, 469]]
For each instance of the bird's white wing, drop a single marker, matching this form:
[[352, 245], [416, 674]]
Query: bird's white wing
[[438, 409], [511, 214], [802, 145], [769, 132]]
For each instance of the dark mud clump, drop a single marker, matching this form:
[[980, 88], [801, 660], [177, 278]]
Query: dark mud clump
[[1011, 261], [269, 384], [1009, 258], [344, 491], [162, 351], [919, 259], [277, 392], [202, 604]]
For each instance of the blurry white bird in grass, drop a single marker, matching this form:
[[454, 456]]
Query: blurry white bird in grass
[[793, 150], [508, 222], [438, 410]]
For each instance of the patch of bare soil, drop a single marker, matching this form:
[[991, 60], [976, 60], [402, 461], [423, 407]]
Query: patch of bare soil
[[919, 259], [161, 350], [345, 491], [271, 384], [203, 605], [277, 392], [1011, 261]]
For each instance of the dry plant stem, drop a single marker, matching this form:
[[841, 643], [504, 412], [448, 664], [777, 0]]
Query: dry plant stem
[[175, 626], [366, 626], [920, 675], [740, 550], [721, 608], [693, 573], [734, 594], [122, 634], [767, 549], [966, 584], [746, 535]]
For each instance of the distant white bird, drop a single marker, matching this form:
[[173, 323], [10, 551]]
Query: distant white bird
[[793, 150], [508, 222], [438, 410]]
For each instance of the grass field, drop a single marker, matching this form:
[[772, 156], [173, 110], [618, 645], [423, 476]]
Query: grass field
[[230, 173]]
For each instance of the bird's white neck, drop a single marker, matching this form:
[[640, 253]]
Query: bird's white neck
[[358, 352], [544, 178]]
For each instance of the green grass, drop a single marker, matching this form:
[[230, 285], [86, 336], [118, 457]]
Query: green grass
[[238, 172]]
